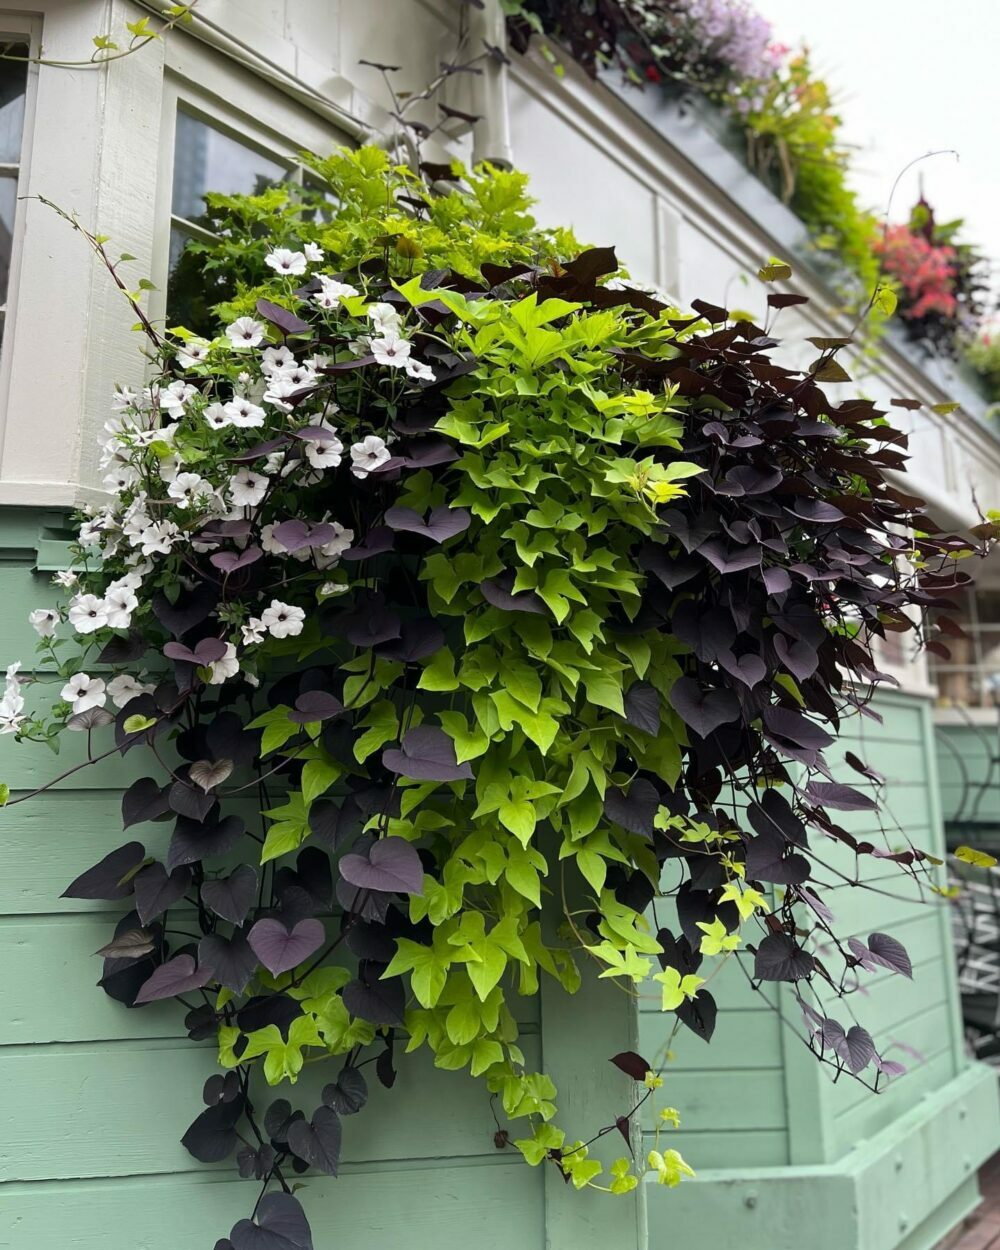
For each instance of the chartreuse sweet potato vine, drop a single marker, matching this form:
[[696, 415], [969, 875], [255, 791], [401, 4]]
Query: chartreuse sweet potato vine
[[453, 591]]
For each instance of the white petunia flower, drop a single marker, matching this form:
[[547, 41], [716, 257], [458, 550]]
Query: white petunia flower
[[123, 399], [313, 253], [244, 414], [194, 352], [11, 707], [390, 350], [385, 318], [215, 416], [245, 332], [331, 551], [135, 526], [124, 688], [121, 478], [269, 543], [325, 455], [65, 578], [282, 620], [120, 602], [332, 292], [247, 488], [328, 589], [253, 631], [44, 621], [84, 692], [187, 487], [87, 613], [301, 374], [228, 666], [91, 531], [128, 581], [159, 538], [368, 455], [279, 391], [284, 260], [417, 369], [168, 467], [274, 358]]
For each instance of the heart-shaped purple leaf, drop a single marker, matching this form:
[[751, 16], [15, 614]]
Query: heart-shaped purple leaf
[[193, 841], [279, 1224], [177, 976], [294, 535], [426, 754], [703, 710], [231, 897], [230, 561], [155, 891], [390, 865], [349, 1093], [231, 959], [145, 799], [317, 1142], [112, 877], [286, 321], [442, 524], [315, 705], [642, 707], [280, 949], [203, 653], [497, 591], [213, 1137]]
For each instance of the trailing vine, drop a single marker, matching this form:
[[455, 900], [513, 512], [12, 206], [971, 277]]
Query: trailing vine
[[468, 604]]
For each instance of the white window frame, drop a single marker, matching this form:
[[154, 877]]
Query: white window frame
[[20, 28], [245, 108]]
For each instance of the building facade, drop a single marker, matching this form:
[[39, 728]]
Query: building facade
[[90, 1125]]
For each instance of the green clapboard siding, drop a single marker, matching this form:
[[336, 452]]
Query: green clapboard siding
[[95, 1097], [786, 1156]]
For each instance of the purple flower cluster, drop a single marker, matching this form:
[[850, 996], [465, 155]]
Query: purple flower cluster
[[733, 33]]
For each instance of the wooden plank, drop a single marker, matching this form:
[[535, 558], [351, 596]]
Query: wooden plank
[[39, 953], [405, 1204], [734, 1148], [742, 1039], [895, 1001], [120, 1109], [739, 1098], [877, 1113], [925, 1034], [48, 841]]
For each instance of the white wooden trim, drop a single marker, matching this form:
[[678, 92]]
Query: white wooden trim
[[28, 27]]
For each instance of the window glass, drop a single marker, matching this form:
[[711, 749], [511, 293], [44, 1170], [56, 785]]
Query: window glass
[[13, 87], [8, 206], [205, 159]]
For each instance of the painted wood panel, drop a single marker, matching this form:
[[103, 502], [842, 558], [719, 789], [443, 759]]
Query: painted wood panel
[[438, 1204], [96, 1097]]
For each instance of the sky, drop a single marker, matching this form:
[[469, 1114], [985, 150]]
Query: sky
[[909, 77]]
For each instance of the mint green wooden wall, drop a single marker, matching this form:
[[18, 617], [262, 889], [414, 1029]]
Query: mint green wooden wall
[[787, 1158], [95, 1098]]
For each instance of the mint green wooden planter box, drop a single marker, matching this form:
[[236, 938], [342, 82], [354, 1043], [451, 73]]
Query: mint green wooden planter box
[[95, 1098]]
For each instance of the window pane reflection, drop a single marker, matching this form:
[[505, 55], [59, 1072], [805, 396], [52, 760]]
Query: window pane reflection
[[8, 206], [13, 85], [207, 160]]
